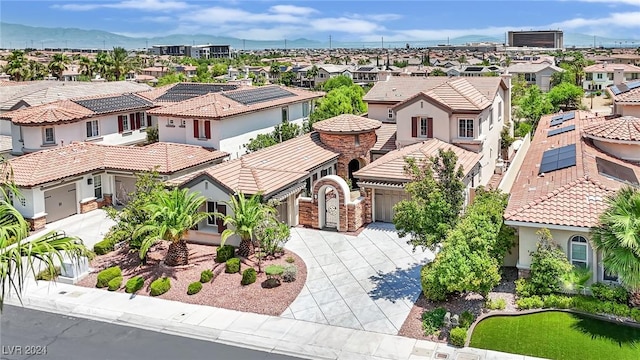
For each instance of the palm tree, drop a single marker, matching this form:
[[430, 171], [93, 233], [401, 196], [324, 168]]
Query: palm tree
[[17, 66], [311, 74], [246, 215], [172, 214], [618, 237], [121, 63], [86, 66], [37, 70], [274, 71], [102, 64], [58, 64]]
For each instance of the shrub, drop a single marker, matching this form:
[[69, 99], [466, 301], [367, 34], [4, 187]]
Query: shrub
[[466, 319], [458, 336], [433, 320], [106, 275], [432, 288], [194, 288], [206, 276], [160, 286], [274, 271], [557, 301], [290, 259], [46, 275], [232, 266], [248, 276], [635, 314], [549, 265], [272, 236], [289, 273], [524, 288], [105, 246], [533, 302], [586, 304], [115, 283], [615, 293], [134, 284], [224, 253], [497, 304]]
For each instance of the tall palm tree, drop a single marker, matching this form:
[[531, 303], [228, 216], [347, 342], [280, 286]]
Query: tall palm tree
[[86, 66], [102, 64], [246, 215], [17, 66], [121, 63], [274, 71], [618, 237], [311, 75], [37, 70], [58, 64], [172, 214]]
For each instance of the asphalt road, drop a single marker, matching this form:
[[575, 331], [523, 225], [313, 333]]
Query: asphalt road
[[30, 334]]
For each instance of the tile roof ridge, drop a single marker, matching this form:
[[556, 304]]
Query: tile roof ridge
[[463, 80], [256, 178], [548, 196]]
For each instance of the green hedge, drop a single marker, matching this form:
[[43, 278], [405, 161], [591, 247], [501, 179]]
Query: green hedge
[[458, 336], [466, 319], [206, 276], [497, 304], [224, 253], [583, 303], [232, 266], [605, 292], [105, 246], [194, 288], [249, 276], [107, 275], [134, 284], [160, 286], [115, 283]]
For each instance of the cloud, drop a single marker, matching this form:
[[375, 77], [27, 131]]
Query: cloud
[[344, 24], [376, 17], [614, 2], [293, 10], [144, 5], [624, 20]]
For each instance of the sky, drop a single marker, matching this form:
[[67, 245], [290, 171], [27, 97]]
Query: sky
[[349, 20]]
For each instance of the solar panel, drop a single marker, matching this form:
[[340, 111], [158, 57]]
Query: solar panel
[[557, 117], [114, 103], [185, 91], [258, 95], [556, 159], [633, 85], [561, 130], [557, 122], [568, 116], [473, 68], [366, 68], [615, 90], [623, 88], [616, 171]]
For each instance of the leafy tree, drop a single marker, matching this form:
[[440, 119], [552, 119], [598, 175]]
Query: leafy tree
[[549, 265], [261, 141], [560, 77], [37, 70], [86, 66], [274, 70], [437, 196], [17, 66], [336, 82], [518, 88], [102, 64], [172, 213], [282, 132], [287, 78], [437, 72], [171, 78], [341, 100], [58, 64], [533, 105], [566, 96], [219, 69], [617, 235], [202, 74]]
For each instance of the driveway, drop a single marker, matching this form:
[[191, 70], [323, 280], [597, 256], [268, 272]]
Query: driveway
[[90, 227], [366, 282]]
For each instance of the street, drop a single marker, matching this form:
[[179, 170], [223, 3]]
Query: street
[[31, 334]]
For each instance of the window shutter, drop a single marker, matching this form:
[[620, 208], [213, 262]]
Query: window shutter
[[120, 125], [414, 126], [89, 129], [138, 116], [132, 122], [196, 129], [149, 120], [207, 129], [222, 209], [429, 127]]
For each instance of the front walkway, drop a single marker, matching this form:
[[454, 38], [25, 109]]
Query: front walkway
[[365, 282]]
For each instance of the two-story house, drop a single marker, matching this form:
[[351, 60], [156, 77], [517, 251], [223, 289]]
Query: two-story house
[[626, 98], [325, 72], [535, 73], [599, 76]]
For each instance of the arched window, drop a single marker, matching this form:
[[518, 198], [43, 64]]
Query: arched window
[[578, 251]]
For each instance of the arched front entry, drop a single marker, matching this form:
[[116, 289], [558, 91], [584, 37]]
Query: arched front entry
[[354, 165], [331, 193]]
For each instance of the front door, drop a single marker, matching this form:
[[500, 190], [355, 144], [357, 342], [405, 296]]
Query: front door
[[331, 209]]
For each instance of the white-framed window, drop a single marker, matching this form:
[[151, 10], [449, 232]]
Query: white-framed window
[[578, 251], [211, 208], [491, 119], [599, 76], [126, 126], [305, 109], [170, 122], [424, 127], [48, 135], [465, 128], [92, 128], [183, 123], [321, 75], [530, 77], [285, 114], [389, 113], [97, 186]]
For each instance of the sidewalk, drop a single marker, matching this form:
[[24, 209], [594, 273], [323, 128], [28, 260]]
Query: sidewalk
[[248, 330]]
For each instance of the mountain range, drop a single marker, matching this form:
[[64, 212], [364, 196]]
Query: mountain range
[[16, 36]]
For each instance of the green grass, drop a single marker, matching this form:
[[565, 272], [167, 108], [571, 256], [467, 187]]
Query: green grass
[[558, 335]]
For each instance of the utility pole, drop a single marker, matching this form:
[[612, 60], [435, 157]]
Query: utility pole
[[329, 42], [243, 44], [285, 44], [104, 44], [382, 42]]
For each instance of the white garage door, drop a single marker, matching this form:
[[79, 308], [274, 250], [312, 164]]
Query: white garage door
[[60, 203], [124, 186], [385, 200]]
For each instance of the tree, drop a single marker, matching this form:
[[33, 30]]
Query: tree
[[172, 213], [437, 72], [103, 64], [281, 132], [336, 82], [549, 265], [17, 66], [246, 215], [58, 65], [121, 63], [518, 88], [171, 78], [86, 66], [287, 78], [274, 70], [560, 77], [617, 236], [311, 74], [533, 105], [436, 197], [566, 96], [37, 70], [219, 69], [261, 141], [341, 100]]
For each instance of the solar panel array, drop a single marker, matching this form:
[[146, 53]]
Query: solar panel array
[[616, 171], [366, 68], [559, 119], [622, 88], [112, 104], [561, 130], [556, 159], [185, 91], [258, 95], [473, 68]]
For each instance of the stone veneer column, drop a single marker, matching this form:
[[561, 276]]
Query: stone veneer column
[[345, 144], [37, 223]]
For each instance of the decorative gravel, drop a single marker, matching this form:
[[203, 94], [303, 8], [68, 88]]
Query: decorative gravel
[[224, 291]]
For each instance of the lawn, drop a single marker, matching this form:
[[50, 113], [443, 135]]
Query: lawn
[[558, 335]]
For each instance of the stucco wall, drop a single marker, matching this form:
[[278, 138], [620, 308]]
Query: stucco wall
[[628, 110], [422, 108], [380, 112], [629, 152]]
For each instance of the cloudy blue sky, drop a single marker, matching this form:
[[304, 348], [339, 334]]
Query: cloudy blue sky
[[354, 20]]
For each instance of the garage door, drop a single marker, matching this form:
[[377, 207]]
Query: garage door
[[385, 200], [60, 203], [124, 187]]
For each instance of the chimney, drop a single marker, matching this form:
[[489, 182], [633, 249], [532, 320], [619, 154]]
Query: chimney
[[618, 76]]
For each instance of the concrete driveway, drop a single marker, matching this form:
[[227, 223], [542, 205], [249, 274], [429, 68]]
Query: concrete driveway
[[367, 282], [90, 227]]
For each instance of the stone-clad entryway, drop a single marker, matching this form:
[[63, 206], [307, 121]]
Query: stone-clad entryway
[[369, 281]]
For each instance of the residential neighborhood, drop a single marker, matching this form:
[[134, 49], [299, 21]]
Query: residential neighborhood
[[235, 195]]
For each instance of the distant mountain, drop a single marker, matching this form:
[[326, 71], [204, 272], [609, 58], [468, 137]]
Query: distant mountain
[[21, 36]]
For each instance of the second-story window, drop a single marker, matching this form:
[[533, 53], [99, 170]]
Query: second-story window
[[285, 114], [424, 127], [202, 129], [123, 123], [465, 128], [599, 76], [48, 136], [390, 114], [92, 129]]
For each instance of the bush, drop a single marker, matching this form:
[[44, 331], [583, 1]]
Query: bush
[[160, 286], [274, 271], [134, 284], [533, 302], [107, 275], [115, 283], [433, 320], [466, 319], [224, 253], [524, 288], [522, 128], [586, 304], [635, 314], [232, 266], [290, 259], [615, 293], [103, 247], [557, 301], [249, 276], [549, 265], [194, 288], [497, 304], [46, 275], [458, 336], [432, 288], [206, 276], [289, 273]]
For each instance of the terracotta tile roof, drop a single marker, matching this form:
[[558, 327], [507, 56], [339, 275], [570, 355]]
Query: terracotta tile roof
[[217, 106], [578, 187], [78, 158], [530, 67], [399, 88], [601, 68], [271, 169], [57, 112], [347, 123], [390, 167], [386, 138], [623, 128]]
